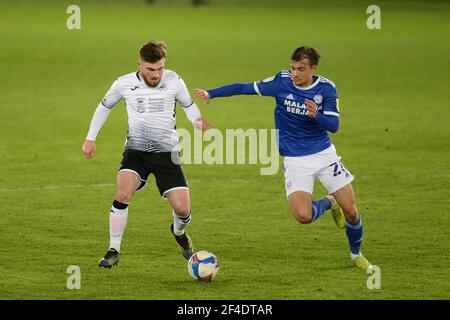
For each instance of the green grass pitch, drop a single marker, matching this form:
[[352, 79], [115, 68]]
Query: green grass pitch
[[394, 137]]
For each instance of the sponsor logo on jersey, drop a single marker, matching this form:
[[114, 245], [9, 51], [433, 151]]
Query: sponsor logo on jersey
[[295, 107], [134, 88], [290, 96], [149, 105], [295, 104]]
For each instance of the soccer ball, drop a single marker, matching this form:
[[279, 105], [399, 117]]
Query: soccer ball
[[203, 266]]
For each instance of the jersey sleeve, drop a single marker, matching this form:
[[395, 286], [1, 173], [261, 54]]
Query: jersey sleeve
[[113, 95], [99, 118], [182, 94], [232, 90], [331, 102], [185, 100], [269, 86]]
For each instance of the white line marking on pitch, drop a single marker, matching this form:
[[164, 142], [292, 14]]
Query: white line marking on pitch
[[104, 185], [44, 188]]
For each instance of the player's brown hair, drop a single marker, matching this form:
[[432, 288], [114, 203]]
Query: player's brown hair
[[153, 51], [305, 52]]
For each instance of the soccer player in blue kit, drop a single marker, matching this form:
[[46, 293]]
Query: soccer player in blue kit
[[307, 106]]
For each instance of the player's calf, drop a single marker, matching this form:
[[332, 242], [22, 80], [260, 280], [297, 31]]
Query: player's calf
[[123, 197]]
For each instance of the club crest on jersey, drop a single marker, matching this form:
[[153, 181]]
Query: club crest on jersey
[[318, 99], [163, 86], [140, 105]]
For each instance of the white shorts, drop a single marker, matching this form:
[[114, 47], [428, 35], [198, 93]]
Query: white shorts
[[326, 165]]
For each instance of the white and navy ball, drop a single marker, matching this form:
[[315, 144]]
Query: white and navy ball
[[203, 266]]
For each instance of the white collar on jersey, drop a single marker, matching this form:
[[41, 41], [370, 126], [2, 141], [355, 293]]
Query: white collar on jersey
[[309, 87]]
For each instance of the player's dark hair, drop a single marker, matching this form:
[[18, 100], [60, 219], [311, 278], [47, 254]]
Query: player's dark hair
[[305, 52], [153, 51]]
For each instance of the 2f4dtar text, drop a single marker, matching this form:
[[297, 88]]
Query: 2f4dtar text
[[227, 309]]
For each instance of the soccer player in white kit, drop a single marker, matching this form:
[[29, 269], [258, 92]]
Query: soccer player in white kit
[[152, 144], [307, 106]]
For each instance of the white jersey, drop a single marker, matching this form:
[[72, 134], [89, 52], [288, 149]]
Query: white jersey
[[151, 110]]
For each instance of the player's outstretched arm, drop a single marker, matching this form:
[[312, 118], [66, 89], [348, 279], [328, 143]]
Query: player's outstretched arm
[[225, 91], [202, 95]]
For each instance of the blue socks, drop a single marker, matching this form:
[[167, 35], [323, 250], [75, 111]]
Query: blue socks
[[354, 231], [319, 207], [354, 235]]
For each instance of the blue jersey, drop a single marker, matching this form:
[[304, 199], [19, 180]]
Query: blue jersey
[[299, 134]]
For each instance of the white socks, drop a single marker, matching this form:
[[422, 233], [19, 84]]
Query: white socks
[[117, 222], [180, 223], [354, 256]]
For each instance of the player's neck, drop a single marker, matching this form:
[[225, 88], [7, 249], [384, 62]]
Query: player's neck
[[307, 83]]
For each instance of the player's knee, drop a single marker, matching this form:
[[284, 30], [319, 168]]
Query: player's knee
[[351, 214], [182, 209], [303, 217], [304, 220]]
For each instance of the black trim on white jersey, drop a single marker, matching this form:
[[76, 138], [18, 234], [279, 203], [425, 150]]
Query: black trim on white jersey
[[105, 106], [175, 110], [137, 75], [189, 105]]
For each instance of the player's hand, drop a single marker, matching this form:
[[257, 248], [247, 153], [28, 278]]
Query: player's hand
[[88, 149], [312, 108], [202, 124], [202, 95]]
